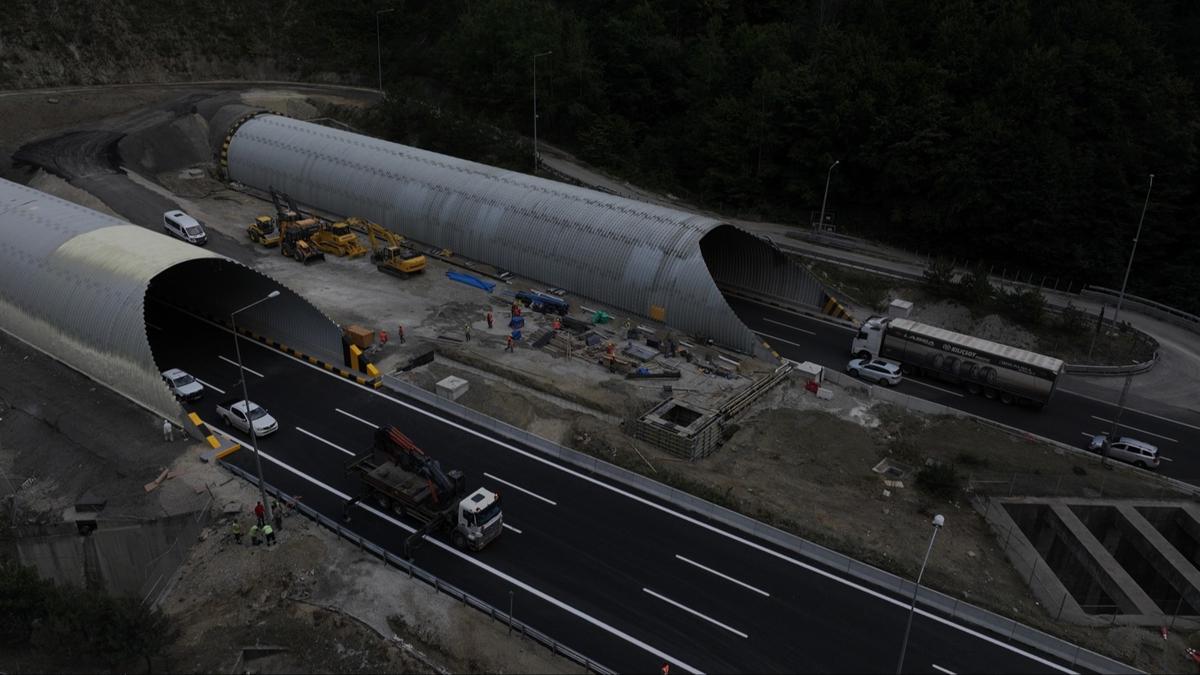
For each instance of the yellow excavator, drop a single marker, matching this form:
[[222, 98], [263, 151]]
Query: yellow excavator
[[388, 251], [263, 231], [338, 239]]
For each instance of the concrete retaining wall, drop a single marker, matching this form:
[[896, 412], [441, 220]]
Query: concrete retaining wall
[[1143, 306], [135, 559]]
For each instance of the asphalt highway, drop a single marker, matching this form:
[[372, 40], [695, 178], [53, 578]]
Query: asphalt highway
[[1071, 416], [615, 574]]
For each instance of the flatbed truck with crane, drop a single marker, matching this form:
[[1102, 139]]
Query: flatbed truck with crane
[[399, 477]]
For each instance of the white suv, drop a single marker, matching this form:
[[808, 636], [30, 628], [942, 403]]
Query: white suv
[[185, 227], [1138, 453], [879, 371]]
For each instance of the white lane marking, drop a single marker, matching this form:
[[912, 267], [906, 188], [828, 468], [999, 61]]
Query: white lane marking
[[941, 669], [150, 325], [512, 528], [723, 576], [779, 339], [788, 325], [216, 389], [518, 487], [944, 391], [356, 417], [693, 612], [231, 361], [488, 568], [659, 507], [801, 315], [1148, 433], [335, 446], [1132, 410]]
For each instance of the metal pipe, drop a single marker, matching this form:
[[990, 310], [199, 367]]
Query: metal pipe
[[1121, 299], [237, 349]]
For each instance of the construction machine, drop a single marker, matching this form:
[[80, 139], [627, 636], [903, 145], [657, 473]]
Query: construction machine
[[338, 239], [398, 476], [296, 241], [263, 231], [389, 253]]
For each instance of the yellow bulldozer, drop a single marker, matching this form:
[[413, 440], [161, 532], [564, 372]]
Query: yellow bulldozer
[[338, 239], [388, 251], [263, 231]]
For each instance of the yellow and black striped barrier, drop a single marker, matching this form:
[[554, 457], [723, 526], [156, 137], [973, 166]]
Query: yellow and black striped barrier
[[830, 306], [222, 446]]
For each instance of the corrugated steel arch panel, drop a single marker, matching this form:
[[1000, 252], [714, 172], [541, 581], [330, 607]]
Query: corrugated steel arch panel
[[619, 251], [74, 283]]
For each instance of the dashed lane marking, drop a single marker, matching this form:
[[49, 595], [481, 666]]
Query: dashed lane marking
[[1128, 409], [356, 417], [492, 570], [790, 326], [941, 669], [234, 363], [335, 446], [512, 528], [535, 495], [944, 391], [723, 576], [1142, 431], [216, 389], [779, 339], [693, 612]]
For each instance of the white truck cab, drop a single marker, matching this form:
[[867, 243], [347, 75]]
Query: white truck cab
[[869, 339], [185, 227], [479, 520]]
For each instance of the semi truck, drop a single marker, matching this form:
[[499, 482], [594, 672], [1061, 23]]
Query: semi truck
[[983, 367], [398, 476]]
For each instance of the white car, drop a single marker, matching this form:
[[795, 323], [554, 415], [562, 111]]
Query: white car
[[185, 227], [1138, 453], [879, 371], [238, 413], [184, 386]]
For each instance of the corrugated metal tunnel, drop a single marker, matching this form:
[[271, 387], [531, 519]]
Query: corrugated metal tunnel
[[78, 285], [653, 261]]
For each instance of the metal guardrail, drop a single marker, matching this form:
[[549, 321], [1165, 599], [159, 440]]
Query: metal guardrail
[[436, 582], [873, 576], [1145, 306]]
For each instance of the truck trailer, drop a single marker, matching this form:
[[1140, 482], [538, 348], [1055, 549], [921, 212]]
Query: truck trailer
[[398, 476], [984, 367]]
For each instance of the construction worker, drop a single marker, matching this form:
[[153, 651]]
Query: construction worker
[[400, 332], [254, 540], [508, 344], [467, 331], [269, 533], [556, 324], [514, 310], [236, 528], [489, 319], [383, 337], [168, 431], [276, 515], [260, 512]]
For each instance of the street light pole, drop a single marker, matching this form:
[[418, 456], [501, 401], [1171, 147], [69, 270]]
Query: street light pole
[[535, 114], [237, 349], [938, 522], [828, 175], [1137, 236], [379, 47]]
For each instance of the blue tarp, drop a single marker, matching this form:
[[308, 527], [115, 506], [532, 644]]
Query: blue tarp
[[471, 281]]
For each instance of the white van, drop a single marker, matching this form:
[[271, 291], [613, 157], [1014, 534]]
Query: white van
[[185, 227]]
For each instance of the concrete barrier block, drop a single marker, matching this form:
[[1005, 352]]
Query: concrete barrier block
[[452, 387]]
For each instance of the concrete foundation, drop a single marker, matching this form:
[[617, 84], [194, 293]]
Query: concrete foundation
[[452, 387], [1096, 562]]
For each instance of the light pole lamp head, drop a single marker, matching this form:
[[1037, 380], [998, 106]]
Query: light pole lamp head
[[273, 294], [939, 520]]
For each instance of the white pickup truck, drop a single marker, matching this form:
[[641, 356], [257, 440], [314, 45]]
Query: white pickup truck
[[238, 413]]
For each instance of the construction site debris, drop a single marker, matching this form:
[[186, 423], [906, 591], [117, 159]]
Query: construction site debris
[[360, 337]]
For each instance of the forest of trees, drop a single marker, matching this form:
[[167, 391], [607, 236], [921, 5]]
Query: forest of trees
[[1013, 133]]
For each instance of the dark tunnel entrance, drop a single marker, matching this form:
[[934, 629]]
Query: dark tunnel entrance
[[185, 301], [748, 265]]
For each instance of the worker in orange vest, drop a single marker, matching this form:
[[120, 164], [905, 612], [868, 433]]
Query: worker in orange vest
[[489, 319], [383, 337], [508, 344], [400, 332]]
